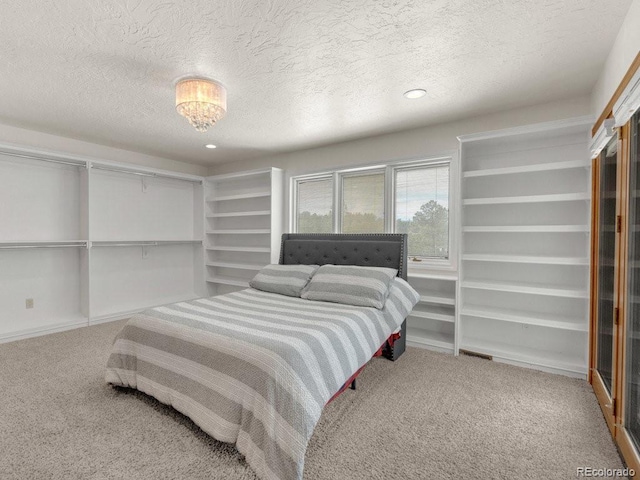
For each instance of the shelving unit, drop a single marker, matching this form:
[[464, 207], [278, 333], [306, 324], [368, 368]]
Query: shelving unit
[[432, 323], [85, 240], [244, 225], [524, 257]]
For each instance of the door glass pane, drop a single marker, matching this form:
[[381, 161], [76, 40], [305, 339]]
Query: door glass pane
[[363, 203], [607, 250], [314, 205], [632, 370]]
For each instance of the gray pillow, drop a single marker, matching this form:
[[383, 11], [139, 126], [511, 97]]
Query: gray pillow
[[351, 285], [283, 279]]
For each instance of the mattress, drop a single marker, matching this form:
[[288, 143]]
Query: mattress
[[254, 368]]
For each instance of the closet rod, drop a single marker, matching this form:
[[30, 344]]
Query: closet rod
[[13, 247], [43, 159], [142, 174]]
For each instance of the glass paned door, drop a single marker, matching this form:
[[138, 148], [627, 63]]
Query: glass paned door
[[632, 368], [607, 222]]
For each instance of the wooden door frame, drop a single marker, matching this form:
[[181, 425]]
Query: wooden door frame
[[609, 402]]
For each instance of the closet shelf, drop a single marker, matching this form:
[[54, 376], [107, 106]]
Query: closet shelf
[[526, 259], [239, 232], [141, 243], [560, 197], [526, 229], [437, 299], [541, 167], [240, 249], [256, 213], [532, 289], [240, 266], [228, 281], [441, 317], [42, 243], [429, 338], [520, 317], [239, 197]]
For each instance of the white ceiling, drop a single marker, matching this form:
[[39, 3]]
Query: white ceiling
[[299, 73]]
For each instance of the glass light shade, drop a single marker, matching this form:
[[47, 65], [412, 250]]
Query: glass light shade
[[202, 102]]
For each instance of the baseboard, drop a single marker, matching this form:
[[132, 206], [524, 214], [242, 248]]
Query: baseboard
[[39, 331], [543, 368]]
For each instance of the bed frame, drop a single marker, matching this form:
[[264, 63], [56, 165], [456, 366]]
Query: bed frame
[[366, 250]]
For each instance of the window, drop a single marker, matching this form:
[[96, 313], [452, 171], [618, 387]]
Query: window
[[422, 210], [410, 198], [315, 206], [363, 203]]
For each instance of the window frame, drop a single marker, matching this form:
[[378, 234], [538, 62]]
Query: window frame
[[389, 170]]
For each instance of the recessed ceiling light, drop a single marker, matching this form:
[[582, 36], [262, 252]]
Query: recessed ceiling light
[[415, 93], [210, 145]]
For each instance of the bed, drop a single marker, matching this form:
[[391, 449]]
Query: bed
[[255, 368]]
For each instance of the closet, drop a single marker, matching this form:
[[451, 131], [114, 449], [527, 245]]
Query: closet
[[84, 241], [615, 267]]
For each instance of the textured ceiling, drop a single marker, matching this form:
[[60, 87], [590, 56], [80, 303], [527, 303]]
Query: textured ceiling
[[299, 73]]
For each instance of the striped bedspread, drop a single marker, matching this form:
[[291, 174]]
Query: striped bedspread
[[254, 368]]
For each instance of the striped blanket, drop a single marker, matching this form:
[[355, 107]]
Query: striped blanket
[[254, 368]]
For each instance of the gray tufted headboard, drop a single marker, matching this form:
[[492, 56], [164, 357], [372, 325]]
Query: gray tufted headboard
[[367, 250]]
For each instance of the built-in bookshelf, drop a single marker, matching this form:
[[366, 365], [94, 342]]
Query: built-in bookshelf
[[524, 256], [244, 225], [432, 323]]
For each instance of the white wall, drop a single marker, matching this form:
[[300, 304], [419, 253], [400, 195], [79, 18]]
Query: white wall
[[625, 49], [426, 141], [44, 141]]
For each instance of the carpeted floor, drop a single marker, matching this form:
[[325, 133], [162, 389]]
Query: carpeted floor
[[427, 416]]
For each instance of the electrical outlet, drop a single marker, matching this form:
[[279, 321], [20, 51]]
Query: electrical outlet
[[28, 303]]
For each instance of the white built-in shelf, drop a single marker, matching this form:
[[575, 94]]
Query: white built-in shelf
[[429, 338], [532, 289], [437, 299], [142, 243], [526, 259], [441, 317], [255, 213], [539, 167], [434, 275], [559, 197], [41, 244], [504, 315], [228, 281], [526, 355], [241, 196], [240, 266], [526, 229], [255, 231], [240, 249]]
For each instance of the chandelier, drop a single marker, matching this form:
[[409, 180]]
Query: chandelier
[[203, 102]]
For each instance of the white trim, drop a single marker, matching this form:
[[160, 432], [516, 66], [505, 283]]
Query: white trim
[[629, 102], [39, 331], [602, 137], [525, 129]]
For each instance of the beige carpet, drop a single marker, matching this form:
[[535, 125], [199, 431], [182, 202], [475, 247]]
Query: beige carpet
[[427, 416]]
